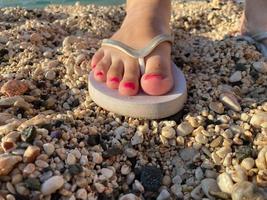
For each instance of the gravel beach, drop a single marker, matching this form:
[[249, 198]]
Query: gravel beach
[[55, 143]]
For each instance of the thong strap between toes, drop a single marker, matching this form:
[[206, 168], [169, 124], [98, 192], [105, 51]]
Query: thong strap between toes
[[139, 54]]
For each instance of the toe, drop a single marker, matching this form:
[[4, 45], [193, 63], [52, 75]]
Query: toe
[[114, 74], [158, 78], [101, 69], [129, 85], [96, 58]]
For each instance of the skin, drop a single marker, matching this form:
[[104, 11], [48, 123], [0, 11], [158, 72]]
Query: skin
[[143, 22], [121, 71]]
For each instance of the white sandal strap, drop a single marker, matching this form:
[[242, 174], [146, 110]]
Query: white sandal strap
[[139, 54]]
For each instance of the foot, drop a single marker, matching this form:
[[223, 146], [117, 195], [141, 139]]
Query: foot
[[120, 71]]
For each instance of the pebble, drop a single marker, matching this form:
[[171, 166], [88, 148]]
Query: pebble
[[261, 161], [248, 163], [49, 148], [137, 186], [129, 196], [225, 183], [164, 195], [108, 173], [223, 151], [81, 194], [235, 77], [31, 154], [216, 107], [50, 75], [177, 191], [239, 174], [207, 185], [14, 88], [130, 152], [71, 159], [230, 101], [51, 185], [246, 190], [97, 157], [99, 187], [184, 129], [260, 66], [138, 138], [166, 180], [7, 163], [29, 169], [197, 193], [199, 174], [201, 139], [187, 154], [151, 178], [168, 132], [125, 169], [258, 119]]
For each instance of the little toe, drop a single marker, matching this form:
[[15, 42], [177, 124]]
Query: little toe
[[114, 74], [96, 58], [101, 69], [129, 85]]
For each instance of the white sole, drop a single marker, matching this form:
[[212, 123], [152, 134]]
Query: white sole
[[141, 105]]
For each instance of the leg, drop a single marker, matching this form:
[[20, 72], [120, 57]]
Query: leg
[[143, 22], [254, 19]]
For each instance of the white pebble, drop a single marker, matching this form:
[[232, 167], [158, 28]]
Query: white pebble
[[49, 148], [52, 185]]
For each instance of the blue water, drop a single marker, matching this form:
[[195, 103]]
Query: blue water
[[42, 3]]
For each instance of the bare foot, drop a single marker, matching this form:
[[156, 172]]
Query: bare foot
[[120, 71]]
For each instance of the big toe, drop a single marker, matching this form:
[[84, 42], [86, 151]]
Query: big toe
[[158, 79]]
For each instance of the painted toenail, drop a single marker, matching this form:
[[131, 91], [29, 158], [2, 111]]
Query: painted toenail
[[151, 76], [129, 85], [114, 79], [99, 73]]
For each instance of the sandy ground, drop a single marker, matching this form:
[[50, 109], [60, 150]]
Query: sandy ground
[[57, 144]]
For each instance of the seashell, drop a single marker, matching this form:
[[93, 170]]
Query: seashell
[[8, 146]]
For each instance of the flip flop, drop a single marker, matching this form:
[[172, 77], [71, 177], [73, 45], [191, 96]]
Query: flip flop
[[257, 40], [141, 105]]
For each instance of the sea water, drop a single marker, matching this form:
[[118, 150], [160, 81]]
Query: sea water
[[42, 3]]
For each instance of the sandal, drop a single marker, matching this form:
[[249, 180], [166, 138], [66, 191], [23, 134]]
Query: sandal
[[141, 105]]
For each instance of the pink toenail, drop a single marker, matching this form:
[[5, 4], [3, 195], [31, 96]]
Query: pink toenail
[[114, 79], [129, 85], [150, 76], [99, 73]]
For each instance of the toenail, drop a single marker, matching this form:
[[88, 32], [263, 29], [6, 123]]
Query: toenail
[[114, 79], [99, 73], [129, 85], [151, 76]]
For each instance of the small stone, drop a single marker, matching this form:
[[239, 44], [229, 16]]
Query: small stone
[[99, 187], [164, 195], [71, 159], [28, 135], [51, 185], [130, 152], [216, 107], [239, 174], [75, 169], [248, 163], [261, 161], [129, 196], [41, 164], [29, 169], [184, 129], [230, 101], [14, 88], [138, 138], [258, 119], [201, 139], [197, 193], [93, 139], [7, 163], [246, 190], [130, 178], [243, 152], [260, 66], [151, 178], [177, 191], [97, 157], [81, 194], [56, 134], [168, 132], [177, 179], [50, 75], [199, 174], [33, 184], [187, 153], [166, 180], [31, 154], [108, 173], [225, 183], [137, 186], [49, 148], [223, 151], [235, 77], [125, 169], [209, 185], [36, 38]]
